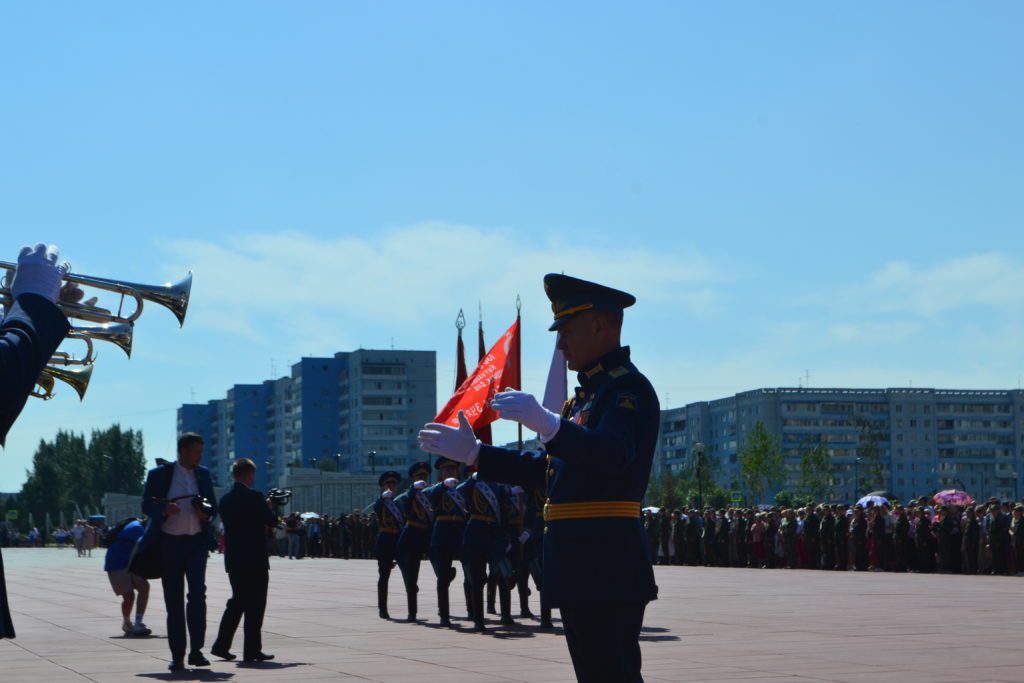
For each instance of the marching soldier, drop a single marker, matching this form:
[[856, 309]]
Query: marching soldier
[[597, 564], [414, 540], [519, 523], [483, 542], [446, 536], [535, 553], [391, 520]]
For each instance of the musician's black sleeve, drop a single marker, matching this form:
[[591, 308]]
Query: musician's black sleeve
[[29, 334]]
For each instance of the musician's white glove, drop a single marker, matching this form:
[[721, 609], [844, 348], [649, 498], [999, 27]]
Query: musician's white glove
[[38, 272], [518, 489], [524, 537], [419, 485], [522, 407], [388, 494], [459, 444], [451, 482]]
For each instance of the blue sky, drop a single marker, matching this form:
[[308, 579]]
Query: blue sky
[[786, 187]]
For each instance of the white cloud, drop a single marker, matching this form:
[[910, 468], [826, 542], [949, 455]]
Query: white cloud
[[403, 278], [992, 280]]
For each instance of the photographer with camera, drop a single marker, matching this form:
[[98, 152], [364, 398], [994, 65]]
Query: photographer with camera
[[181, 504], [247, 517]]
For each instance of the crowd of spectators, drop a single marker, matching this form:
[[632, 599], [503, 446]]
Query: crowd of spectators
[[986, 538]]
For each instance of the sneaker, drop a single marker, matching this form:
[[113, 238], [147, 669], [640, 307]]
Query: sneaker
[[140, 630], [127, 628]]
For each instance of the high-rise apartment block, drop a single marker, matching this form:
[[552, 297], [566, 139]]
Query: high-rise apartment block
[[359, 411], [920, 439]]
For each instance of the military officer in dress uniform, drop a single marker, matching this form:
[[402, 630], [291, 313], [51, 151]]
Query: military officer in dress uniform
[[484, 540], [597, 565], [446, 536], [391, 520], [414, 540]]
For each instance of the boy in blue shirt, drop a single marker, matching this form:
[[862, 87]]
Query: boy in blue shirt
[[125, 583]]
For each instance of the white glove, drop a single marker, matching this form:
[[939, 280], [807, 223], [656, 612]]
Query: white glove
[[451, 482], [522, 407], [508, 548], [38, 272], [459, 444], [518, 489], [419, 485], [524, 537], [388, 494]]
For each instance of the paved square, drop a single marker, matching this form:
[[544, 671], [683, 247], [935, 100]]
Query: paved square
[[709, 625]]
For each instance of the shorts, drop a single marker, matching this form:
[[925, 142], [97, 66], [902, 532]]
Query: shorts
[[124, 582]]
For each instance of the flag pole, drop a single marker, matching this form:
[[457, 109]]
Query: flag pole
[[519, 358]]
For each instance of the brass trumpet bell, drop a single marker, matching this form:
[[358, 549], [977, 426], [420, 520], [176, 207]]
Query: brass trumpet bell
[[76, 377], [120, 335]]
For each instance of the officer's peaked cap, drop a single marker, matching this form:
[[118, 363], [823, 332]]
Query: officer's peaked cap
[[389, 476], [570, 295]]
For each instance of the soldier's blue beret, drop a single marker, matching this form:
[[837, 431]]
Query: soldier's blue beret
[[570, 295]]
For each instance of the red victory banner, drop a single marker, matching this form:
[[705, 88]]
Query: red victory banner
[[497, 371]]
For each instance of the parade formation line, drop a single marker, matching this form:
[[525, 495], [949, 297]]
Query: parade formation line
[[708, 624]]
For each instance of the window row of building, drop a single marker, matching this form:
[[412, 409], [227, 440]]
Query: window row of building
[[922, 439]]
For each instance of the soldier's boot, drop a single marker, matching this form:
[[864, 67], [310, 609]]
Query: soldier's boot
[[524, 599], [411, 599], [506, 606], [492, 588], [442, 605], [477, 612], [382, 599], [469, 598], [545, 618]]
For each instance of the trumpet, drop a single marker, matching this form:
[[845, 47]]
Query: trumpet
[[77, 378], [174, 297]]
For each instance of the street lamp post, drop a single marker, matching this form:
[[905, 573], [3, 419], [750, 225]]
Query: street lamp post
[[373, 462], [698, 449], [856, 478]]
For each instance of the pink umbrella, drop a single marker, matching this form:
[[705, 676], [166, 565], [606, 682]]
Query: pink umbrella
[[952, 497]]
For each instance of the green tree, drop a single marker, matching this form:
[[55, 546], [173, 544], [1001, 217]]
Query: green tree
[[666, 490], [761, 462], [68, 472], [871, 473], [327, 465], [816, 473]]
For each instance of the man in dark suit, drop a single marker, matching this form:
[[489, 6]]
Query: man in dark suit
[[597, 563], [182, 526], [247, 515], [31, 331]]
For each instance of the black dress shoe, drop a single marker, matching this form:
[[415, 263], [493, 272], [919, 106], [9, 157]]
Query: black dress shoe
[[478, 626], [526, 614], [176, 665], [507, 621], [446, 622], [223, 654], [259, 657], [197, 659], [546, 624], [384, 614]]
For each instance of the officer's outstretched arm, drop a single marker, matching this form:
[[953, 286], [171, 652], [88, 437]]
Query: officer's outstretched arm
[[608, 447], [526, 468]]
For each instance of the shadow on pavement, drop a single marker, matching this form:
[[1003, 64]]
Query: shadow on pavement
[[190, 675], [270, 666]]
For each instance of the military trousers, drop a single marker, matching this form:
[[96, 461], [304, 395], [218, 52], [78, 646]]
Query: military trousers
[[604, 642]]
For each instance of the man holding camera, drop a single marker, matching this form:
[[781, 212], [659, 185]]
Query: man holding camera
[[181, 504], [247, 516]]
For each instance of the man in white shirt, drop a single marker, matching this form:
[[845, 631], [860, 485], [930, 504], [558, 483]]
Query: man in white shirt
[[180, 500]]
